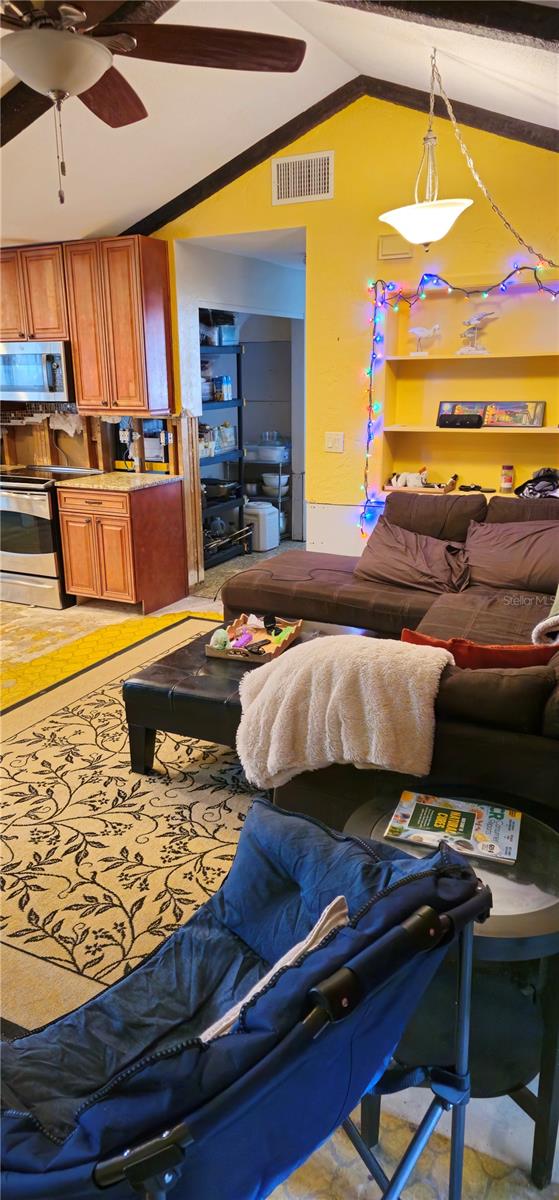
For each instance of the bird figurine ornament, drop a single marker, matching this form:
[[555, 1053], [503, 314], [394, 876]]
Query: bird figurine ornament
[[423, 334], [475, 325]]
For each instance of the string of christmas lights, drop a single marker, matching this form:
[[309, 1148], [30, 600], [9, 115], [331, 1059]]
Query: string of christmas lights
[[386, 296]]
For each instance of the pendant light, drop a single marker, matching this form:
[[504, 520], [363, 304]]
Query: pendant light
[[429, 219]]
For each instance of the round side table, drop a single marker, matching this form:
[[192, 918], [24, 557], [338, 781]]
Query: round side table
[[514, 1034]]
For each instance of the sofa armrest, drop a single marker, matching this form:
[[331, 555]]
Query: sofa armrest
[[513, 698]]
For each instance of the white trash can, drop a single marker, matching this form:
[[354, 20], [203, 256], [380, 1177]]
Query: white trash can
[[264, 519]]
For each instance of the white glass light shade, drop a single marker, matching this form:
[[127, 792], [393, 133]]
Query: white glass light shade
[[53, 60], [427, 221]]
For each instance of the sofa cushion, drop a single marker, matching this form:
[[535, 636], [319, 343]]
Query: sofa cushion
[[446, 517], [502, 509], [513, 698], [522, 554], [486, 615], [322, 587], [396, 555], [477, 656]]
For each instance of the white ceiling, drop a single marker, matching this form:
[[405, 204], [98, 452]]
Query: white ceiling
[[199, 118]]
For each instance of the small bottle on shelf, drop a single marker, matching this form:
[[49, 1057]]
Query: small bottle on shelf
[[507, 479]]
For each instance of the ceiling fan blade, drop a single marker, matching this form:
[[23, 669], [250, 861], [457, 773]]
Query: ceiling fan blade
[[20, 107], [114, 101], [200, 46]]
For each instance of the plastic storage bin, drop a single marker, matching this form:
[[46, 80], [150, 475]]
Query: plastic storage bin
[[264, 519]]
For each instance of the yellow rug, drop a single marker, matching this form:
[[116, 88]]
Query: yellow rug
[[21, 680]]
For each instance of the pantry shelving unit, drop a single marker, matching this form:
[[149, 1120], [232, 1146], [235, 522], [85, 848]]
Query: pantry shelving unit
[[224, 547], [280, 500], [521, 363]]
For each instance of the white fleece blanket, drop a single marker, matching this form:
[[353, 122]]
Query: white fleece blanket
[[547, 631], [346, 699]]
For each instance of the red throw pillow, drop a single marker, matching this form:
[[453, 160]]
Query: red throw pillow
[[476, 657]]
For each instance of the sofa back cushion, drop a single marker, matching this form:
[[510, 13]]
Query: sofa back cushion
[[446, 517], [515, 554], [502, 509], [512, 698], [398, 556]]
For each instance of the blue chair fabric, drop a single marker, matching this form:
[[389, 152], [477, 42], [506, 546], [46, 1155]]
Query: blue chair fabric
[[260, 1099]]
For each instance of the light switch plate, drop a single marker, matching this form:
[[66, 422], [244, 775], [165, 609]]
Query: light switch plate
[[334, 442]]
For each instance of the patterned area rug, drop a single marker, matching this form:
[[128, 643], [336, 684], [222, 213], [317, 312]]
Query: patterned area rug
[[101, 865], [31, 664]]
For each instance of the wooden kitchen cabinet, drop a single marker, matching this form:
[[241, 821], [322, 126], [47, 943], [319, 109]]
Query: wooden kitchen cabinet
[[13, 324], [87, 330], [33, 294], [42, 273], [116, 558], [80, 556], [124, 545], [119, 303]]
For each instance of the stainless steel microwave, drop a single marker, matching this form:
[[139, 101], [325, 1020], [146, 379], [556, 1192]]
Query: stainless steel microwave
[[34, 372]]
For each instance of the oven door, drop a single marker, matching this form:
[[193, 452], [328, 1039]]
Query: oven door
[[27, 534]]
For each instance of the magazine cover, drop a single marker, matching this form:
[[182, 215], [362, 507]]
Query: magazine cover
[[484, 830]]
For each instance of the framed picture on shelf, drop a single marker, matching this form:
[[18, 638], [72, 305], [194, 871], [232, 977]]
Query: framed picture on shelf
[[461, 408], [517, 414]]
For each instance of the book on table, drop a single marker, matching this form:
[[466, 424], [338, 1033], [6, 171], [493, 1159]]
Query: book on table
[[483, 830]]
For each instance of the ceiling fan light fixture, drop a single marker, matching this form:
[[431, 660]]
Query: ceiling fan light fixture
[[427, 221], [54, 61]]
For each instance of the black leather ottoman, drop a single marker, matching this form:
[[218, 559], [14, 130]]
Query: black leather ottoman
[[187, 693]]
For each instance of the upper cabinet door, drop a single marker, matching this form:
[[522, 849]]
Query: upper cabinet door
[[87, 332], [12, 305], [120, 271], [45, 296]]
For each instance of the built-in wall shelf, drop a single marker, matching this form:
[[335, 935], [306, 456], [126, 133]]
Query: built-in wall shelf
[[546, 429], [469, 358]]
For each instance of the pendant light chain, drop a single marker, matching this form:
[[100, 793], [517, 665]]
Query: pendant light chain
[[60, 162], [436, 77]]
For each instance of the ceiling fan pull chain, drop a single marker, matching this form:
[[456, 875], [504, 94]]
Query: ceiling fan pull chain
[[57, 108]]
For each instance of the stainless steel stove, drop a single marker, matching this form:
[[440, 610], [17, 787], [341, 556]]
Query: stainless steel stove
[[31, 570]]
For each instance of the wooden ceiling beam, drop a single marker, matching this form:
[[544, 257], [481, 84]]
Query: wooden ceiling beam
[[514, 21]]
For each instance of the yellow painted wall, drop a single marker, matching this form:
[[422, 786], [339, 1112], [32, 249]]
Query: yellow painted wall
[[377, 148]]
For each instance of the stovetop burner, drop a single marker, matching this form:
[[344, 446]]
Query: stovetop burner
[[40, 478]]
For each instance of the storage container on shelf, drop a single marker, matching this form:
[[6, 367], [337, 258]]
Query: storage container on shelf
[[264, 519], [268, 454]]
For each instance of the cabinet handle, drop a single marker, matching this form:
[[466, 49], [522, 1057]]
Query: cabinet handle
[[88, 520], [105, 403], [94, 501]]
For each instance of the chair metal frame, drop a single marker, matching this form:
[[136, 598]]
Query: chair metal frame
[[153, 1167]]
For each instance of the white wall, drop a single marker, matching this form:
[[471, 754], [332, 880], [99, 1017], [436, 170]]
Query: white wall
[[212, 279]]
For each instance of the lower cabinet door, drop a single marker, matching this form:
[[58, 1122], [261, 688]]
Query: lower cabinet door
[[80, 554], [116, 558]]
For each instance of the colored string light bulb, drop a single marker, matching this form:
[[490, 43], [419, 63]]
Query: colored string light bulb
[[396, 308], [377, 406], [502, 287], [449, 290], [484, 295], [422, 295]]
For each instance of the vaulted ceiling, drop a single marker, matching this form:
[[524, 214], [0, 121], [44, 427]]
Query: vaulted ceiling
[[201, 118]]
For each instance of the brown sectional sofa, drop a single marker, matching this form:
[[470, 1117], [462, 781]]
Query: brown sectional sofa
[[497, 730]]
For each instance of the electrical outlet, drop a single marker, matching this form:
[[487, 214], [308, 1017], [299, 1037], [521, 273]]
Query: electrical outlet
[[334, 442]]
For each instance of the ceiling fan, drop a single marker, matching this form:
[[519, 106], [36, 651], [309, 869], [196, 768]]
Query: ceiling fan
[[63, 50]]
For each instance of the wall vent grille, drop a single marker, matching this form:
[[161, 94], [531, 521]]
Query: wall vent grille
[[303, 177]]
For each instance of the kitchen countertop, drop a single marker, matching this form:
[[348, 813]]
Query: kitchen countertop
[[119, 481]]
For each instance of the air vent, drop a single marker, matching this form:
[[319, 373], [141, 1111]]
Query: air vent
[[303, 177]]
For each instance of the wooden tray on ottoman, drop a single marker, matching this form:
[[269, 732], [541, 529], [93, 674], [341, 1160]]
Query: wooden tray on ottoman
[[260, 637]]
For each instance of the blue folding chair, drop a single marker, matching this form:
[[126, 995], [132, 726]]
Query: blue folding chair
[[131, 1092]]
